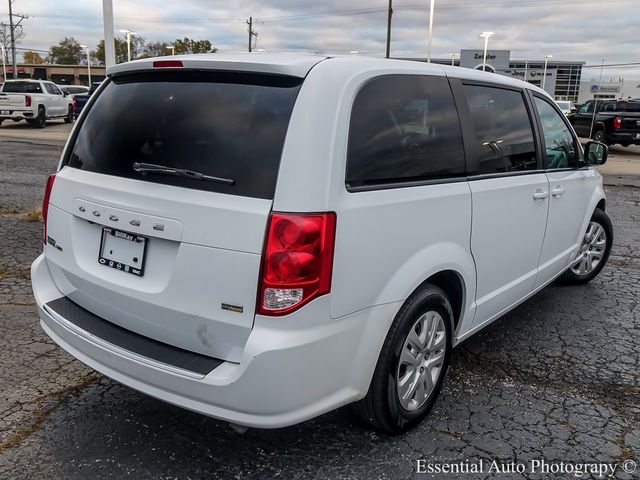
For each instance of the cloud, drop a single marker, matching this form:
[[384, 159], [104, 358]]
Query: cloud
[[579, 30]]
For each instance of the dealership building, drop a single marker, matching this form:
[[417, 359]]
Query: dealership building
[[562, 77]]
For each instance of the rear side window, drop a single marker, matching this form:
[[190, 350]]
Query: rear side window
[[503, 135], [224, 125], [404, 128], [21, 87]]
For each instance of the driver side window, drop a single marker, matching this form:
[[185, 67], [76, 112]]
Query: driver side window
[[559, 143]]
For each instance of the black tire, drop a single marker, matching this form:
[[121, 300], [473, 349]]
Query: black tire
[[381, 408], [69, 117], [600, 136], [41, 120], [570, 277]]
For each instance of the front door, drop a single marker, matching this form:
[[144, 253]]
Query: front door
[[570, 189]]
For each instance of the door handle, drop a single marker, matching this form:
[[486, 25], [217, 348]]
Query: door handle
[[540, 195], [557, 191]]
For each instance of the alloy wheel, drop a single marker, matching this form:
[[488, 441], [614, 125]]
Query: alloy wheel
[[421, 360], [591, 250]]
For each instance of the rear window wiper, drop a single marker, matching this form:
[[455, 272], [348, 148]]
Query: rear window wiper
[[145, 168]]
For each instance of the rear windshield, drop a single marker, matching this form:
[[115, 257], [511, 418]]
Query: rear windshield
[[224, 125], [21, 87]]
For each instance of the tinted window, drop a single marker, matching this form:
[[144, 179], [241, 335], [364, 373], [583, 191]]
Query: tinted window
[[560, 146], [503, 136], [587, 107], [404, 128], [220, 124], [22, 87], [49, 88]]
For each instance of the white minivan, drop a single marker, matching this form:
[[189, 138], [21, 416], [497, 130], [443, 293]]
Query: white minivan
[[263, 238]]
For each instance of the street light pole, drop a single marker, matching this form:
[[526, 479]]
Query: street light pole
[[88, 64], [128, 33], [4, 64], [431, 7], [526, 65], [544, 74], [486, 36], [389, 14], [453, 59], [109, 46]]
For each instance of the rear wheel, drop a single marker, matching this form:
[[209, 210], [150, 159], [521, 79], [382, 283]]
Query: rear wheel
[[599, 136], [41, 120], [593, 252], [69, 117], [412, 364]]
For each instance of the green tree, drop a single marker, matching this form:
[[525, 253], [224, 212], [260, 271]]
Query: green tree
[[67, 52], [32, 57], [137, 48], [189, 45], [155, 49]]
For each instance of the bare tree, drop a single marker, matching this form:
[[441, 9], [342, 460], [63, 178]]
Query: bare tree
[[5, 37]]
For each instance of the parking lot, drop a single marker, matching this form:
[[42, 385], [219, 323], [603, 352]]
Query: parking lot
[[557, 379]]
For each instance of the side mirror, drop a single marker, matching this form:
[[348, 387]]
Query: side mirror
[[66, 94], [574, 110], [595, 153]]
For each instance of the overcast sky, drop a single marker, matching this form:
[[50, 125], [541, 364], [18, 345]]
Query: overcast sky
[[582, 30]]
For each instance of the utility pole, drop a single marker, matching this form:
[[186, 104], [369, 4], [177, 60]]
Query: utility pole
[[389, 14], [12, 29], [252, 33]]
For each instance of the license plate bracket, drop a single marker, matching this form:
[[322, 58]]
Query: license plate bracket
[[123, 251]]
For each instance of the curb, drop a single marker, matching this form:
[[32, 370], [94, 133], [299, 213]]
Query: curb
[[33, 141]]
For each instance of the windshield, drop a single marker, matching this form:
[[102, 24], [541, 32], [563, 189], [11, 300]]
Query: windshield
[[564, 105], [21, 87], [227, 125]]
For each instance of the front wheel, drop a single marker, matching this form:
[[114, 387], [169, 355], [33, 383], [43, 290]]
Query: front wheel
[[593, 252], [412, 364]]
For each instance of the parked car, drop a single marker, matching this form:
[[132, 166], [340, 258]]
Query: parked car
[[616, 121], [566, 107], [79, 101], [74, 89], [263, 239], [35, 101]]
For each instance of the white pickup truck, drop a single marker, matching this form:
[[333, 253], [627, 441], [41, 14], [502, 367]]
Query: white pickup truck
[[35, 101]]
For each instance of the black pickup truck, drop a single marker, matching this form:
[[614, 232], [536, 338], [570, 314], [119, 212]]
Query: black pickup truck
[[616, 121]]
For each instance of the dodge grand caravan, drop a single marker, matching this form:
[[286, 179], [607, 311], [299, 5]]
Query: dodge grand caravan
[[264, 238]]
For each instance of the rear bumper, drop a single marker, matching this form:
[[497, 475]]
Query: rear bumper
[[293, 368], [620, 137], [17, 114]]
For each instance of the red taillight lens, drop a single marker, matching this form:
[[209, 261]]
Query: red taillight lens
[[27, 100], [296, 261], [617, 122], [167, 64], [45, 204]]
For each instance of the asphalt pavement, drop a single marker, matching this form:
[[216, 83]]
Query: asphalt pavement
[[557, 379]]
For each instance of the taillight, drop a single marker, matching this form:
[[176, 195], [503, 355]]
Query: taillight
[[617, 122], [27, 100], [45, 204], [296, 261]]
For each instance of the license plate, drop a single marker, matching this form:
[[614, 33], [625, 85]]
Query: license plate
[[5, 112], [123, 251]]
